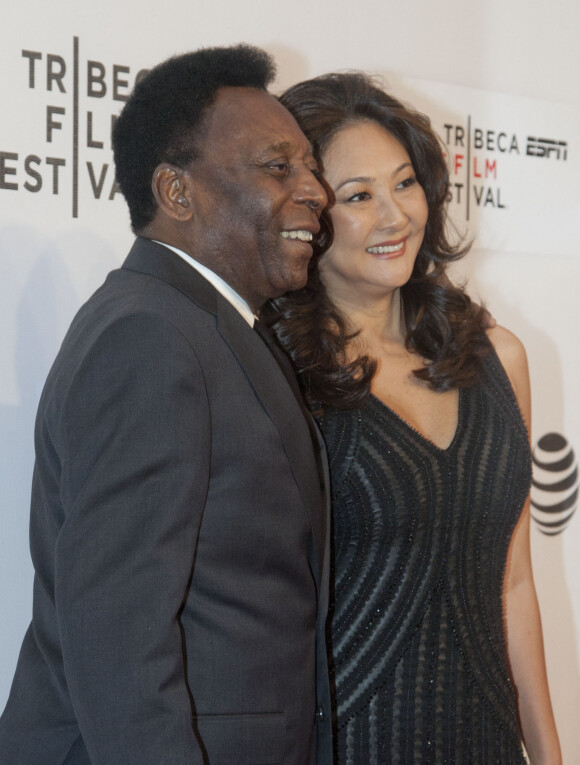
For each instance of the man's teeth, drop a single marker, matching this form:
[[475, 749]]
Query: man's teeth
[[304, 236], [385, 248]]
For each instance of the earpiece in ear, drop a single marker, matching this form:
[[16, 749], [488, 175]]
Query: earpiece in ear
[[183, 202]]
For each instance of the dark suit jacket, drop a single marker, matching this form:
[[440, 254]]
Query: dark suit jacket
[[179, 538]]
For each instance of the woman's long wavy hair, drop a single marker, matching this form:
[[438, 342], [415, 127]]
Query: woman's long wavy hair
[[442, 325]]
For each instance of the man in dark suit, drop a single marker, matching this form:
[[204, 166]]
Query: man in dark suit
[[179, 530]]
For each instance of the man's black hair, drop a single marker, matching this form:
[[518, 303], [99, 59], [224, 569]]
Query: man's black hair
[[162, 118]]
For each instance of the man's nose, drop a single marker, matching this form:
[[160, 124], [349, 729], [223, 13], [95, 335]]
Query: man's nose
[[310, 191]]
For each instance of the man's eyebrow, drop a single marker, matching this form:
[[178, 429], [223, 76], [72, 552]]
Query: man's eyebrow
[[288, 147], [282, 146]]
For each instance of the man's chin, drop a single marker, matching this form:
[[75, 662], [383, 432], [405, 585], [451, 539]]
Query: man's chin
[[294, 282]]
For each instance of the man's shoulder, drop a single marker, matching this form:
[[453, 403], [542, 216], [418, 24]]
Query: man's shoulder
[[161, 269]]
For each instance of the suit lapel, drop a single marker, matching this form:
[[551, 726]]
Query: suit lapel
[[262, 370], [273, 390]]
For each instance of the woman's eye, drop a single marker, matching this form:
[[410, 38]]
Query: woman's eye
[[408, 182], [360, 196]]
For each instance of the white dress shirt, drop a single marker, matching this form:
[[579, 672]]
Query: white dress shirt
[[222, 287]]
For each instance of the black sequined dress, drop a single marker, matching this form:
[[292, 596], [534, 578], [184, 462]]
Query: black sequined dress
[[421, 538]]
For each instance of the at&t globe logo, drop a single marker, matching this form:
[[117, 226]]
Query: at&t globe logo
[[554, 495]]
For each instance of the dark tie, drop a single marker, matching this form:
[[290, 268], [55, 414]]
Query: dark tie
[[283, 361], [288, 370]]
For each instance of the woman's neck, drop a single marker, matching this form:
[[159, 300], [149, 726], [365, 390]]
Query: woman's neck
[[377, 321]]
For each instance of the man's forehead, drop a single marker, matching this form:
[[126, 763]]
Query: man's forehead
[[252, 117], [237, 107]]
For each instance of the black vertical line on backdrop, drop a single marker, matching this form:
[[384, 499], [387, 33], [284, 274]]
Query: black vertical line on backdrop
[[75, 178], [468, 189]]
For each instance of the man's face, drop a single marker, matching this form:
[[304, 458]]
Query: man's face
[[257, 197]]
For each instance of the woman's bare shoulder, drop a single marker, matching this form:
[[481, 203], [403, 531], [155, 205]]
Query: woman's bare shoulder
[[512, 354], [508, 346]]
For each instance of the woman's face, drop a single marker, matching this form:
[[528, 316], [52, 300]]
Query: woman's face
[[379, 214]]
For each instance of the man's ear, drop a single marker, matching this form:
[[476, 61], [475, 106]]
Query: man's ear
[[171, 189]]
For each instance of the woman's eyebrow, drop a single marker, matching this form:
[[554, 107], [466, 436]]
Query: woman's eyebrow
[[370, 178]]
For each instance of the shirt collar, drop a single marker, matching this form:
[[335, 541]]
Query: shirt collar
[[221, 286]]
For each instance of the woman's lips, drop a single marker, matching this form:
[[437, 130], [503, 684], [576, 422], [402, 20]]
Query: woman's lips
[[389, 248]]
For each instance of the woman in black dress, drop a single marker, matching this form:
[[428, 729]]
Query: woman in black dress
[[435, 629]]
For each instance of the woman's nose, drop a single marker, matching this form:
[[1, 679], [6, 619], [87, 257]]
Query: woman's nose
[[391, 214]]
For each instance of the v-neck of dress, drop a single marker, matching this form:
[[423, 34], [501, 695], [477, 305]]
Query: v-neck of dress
[[425, 439]]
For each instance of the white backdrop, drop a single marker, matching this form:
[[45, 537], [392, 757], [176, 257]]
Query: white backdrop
[[506, 68]]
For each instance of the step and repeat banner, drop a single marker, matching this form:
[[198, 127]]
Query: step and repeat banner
[[514, 162]]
